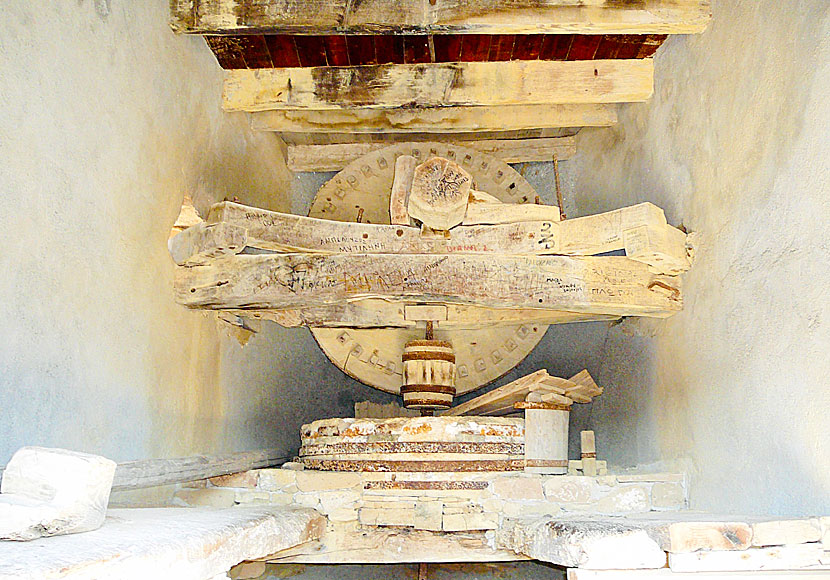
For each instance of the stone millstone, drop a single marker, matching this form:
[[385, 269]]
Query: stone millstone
[[414, 444]]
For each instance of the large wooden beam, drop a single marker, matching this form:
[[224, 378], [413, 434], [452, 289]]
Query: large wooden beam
[[335, 157], [448, 16], [641, 230], [440, 85], [607, 285], [436, 120]]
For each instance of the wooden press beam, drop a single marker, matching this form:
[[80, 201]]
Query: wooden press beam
[[336, 156], [440, 85], [446, 16], [607, 285], [436, 120]]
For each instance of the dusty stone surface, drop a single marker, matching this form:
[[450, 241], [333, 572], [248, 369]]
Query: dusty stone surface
[[218, 497], [522, 487], [49, 492], [569, 489], [275, 479], [668, 495], [186, 544], [322, 480], [244, 479]]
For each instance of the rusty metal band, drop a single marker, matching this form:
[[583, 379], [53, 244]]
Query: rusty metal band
[[546, 462], [545, 406], [589, 456], [427, 355], [461, 447], [413, 466], [441, 343], [443, 389], [425, 485]]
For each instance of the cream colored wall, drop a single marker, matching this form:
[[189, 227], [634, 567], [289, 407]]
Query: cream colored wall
[[106, 120], [735, 145]]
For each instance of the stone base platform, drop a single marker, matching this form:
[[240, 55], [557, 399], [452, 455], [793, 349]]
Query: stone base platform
[[448, 502]]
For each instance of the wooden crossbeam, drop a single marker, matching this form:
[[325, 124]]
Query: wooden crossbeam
[[607, 285], [335, 157], [440, 85], [623, 229], [448, 16], [436, 120]]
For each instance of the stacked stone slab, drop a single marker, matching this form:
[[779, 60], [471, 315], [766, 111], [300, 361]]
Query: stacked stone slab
[[437, 444]]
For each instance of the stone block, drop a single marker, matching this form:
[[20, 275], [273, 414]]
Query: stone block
[[342, 514], [252, 497], [387, 517], [492, 505], [49, 492], [243, 479], [782, 532], [293, 466], [824, 523], [523, 509], [388, 505], [474, 521], [429, 515], [569, 489], [311, 500], [624, 499], [276, 479], [668, 496], [308, 480], [281, 498], [331, 500], [519, 487], [211, 496], [467, 508]]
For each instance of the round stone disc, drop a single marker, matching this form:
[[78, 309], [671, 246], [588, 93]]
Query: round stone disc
[[360, 192]]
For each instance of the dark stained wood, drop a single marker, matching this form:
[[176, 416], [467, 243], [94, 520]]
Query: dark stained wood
[[336, 50], [475, 47], [629, 45], [386, 49], [255, 51], [227, 50], [282, 49], [501, 47], [608, 46], [555, 46], [527, 47], [584, 47], [311, 50], [447, 47], [361, 49], [650, 45], [416, 49]]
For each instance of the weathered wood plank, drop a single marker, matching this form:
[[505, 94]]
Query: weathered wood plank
[[377, 313], [439, 193], [792, 557], [153, 472], [440, 85], [336, 156], [456, 16], [436, 120], [588, 235], [206, 241], [608, 285]]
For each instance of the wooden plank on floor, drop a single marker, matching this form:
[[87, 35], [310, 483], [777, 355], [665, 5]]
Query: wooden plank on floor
[[449, 16], [335, 157], [435, 120], [607, 285], [439, 85]]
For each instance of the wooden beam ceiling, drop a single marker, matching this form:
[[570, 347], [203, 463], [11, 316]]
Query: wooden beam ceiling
[[440, 85], [446, 16]]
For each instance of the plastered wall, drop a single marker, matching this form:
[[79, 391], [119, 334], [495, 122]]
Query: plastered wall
[[106, 120], [735, 145]]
